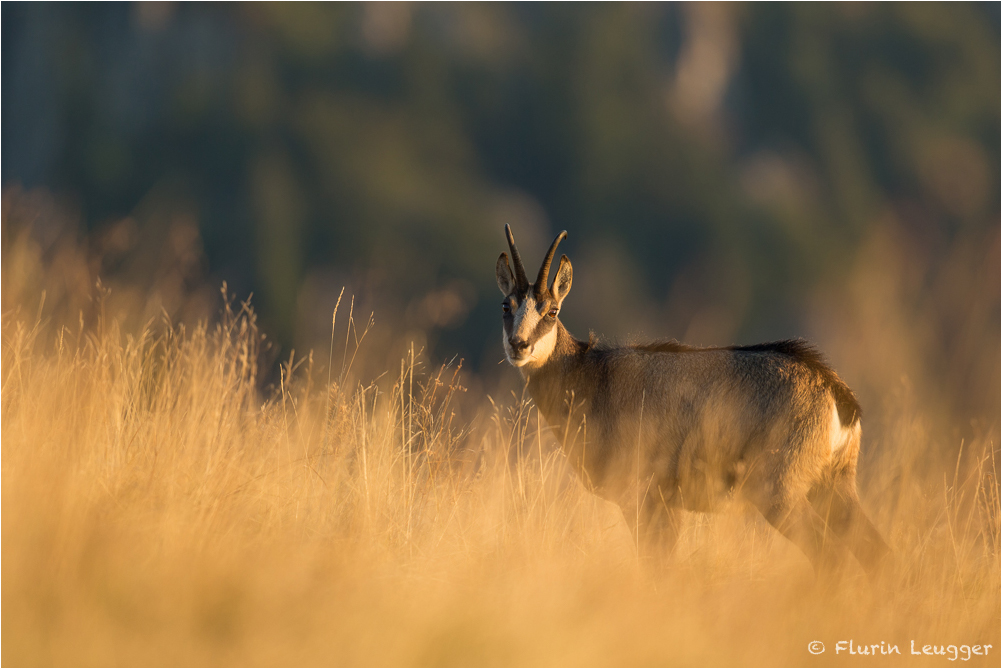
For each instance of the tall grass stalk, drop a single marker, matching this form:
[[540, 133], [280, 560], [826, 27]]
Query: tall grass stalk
[[160, 508]]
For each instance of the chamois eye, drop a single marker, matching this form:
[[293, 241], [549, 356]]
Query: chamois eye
[[505, 307], [553, 313]]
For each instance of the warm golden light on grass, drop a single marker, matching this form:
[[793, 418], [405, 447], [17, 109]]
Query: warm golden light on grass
[[160, 508]]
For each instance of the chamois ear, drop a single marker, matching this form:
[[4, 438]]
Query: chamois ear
[[506, 279], [562, 281]]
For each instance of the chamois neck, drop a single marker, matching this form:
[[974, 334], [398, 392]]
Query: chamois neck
[[561, 377]]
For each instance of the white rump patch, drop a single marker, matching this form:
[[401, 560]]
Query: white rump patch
[[840, 435]]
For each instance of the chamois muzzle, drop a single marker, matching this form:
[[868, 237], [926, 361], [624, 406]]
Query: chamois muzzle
[[518, 345]]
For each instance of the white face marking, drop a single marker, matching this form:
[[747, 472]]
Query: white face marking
[[540, 352], [526, 320]]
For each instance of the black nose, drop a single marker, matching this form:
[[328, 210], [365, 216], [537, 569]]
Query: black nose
[[518, 345]]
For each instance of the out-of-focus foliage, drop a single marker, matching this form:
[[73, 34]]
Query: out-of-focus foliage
[[726, 172]]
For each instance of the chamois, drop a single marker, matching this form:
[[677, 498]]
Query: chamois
[[663, 426]]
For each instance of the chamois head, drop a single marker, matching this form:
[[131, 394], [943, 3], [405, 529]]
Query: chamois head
[[529, 311]]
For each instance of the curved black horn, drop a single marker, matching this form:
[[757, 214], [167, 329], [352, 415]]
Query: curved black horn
[[521, 281], [544, 270]]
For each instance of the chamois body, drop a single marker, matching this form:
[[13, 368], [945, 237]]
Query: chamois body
[[731, 414], [664, 426]]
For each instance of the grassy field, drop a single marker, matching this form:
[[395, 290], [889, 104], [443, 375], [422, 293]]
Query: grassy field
[[167, 500], [159, 507]]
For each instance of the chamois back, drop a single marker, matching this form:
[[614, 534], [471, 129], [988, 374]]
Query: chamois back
[[802, 352]]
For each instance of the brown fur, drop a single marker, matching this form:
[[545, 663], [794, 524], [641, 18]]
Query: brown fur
[[849, 411], [664, 426]]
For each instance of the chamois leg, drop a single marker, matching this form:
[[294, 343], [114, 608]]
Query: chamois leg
[[655, 528], [839, 506], [798, 522]]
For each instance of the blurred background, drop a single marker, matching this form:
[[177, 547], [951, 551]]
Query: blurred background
[[727, 174]]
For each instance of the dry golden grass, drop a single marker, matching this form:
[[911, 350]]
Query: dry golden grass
[[160, 508], [156, 510]]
